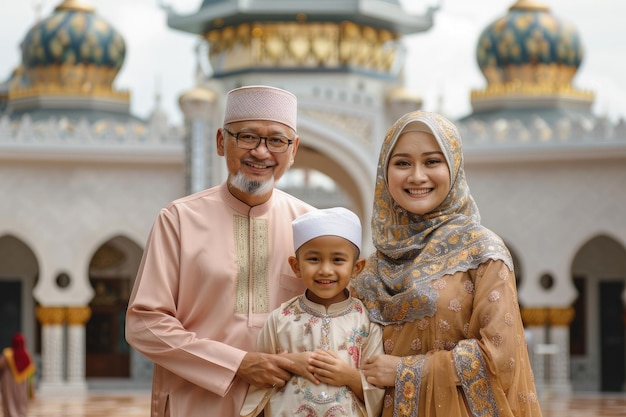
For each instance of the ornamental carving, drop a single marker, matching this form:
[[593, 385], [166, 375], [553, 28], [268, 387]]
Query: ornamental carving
[[552, 316], [78, 315], [301, 45], [67, 80], [51, 315], [534, 316], [358, 128], [521, 83], [561, 316]]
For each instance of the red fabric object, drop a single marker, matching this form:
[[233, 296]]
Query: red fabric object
[[21, 358]]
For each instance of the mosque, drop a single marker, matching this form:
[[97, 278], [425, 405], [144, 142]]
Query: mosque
[[83, 178]]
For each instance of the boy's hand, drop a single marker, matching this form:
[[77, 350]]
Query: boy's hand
[[299, 365], [329, 368]]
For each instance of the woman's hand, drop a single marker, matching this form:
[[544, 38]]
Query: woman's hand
[[380, 370]]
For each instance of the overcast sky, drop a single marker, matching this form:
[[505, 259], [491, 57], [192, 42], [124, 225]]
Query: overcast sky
[[441, 64]]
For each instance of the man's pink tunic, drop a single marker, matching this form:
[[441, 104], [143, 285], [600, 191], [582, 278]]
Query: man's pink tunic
[[212, 270]]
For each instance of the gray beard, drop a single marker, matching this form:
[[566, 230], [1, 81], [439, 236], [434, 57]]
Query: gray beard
[[256, 188]]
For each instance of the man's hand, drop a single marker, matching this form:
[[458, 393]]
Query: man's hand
[[300, 365], [265, 370], [380, 370]]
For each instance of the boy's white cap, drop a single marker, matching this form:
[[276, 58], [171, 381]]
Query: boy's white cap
[[261, 102], [336, 221]]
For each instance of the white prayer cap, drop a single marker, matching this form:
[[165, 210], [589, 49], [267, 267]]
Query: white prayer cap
[[336, 221], [261, 102]]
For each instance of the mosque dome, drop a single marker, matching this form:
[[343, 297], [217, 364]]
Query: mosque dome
[[529, 45], [73, 50], [529, 58]]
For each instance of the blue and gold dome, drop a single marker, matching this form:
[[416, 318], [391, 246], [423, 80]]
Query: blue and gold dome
[[72, 51], [529, 46]]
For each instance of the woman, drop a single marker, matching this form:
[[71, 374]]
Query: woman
[[16, 370], [442, 285]]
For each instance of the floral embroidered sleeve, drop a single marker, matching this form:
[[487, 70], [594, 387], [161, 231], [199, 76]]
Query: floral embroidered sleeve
[[408, 384]]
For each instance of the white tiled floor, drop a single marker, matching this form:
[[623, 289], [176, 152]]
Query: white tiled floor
[[137, 404], [94, 404], [585, 405]]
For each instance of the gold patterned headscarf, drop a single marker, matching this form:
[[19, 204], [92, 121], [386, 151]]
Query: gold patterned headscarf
[[413, 250]]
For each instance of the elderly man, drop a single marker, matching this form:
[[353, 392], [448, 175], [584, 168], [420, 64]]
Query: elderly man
[[215, 265]]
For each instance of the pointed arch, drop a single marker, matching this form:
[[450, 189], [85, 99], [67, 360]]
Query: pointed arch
[[597, 336], [112, 270], [19, 272]]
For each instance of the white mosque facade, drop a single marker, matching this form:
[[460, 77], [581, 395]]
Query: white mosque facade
[[83, 179]]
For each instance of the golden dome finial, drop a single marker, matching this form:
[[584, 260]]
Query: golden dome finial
[[529, 5], [75, 5]]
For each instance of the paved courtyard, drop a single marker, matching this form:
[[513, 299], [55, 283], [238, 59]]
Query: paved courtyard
[[137, 404]]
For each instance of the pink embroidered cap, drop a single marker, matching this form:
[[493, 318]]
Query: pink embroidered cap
[[336, 221], [260, 102]]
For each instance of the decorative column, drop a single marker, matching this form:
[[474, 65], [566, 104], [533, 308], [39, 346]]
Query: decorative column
[[76, 319], [559, 364], [52, 348], [202, 167], [535, 320]]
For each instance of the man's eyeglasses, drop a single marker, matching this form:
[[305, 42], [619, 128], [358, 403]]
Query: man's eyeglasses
[[250, 140]]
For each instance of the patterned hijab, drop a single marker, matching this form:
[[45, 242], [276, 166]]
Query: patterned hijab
[[413, 250]]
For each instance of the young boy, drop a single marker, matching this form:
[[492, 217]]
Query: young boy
[[325, 320]]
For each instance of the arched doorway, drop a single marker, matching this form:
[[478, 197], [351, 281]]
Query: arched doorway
[[111, 272], [19, 271], [313, 160], [598, 341], [314, 187]]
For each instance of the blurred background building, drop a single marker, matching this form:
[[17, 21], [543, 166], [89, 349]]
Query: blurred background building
[[82, 179]]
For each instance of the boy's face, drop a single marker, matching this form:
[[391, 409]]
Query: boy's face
[[326, 264]]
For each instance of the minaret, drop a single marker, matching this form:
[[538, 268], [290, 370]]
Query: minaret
[[202, 165]]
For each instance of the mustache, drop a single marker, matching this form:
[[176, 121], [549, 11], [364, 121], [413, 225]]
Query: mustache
[[255, 161]]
